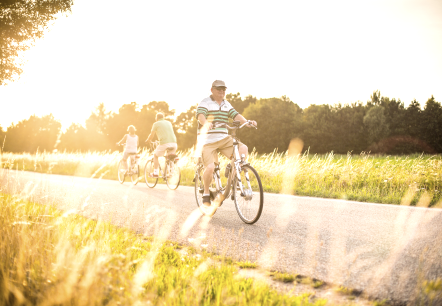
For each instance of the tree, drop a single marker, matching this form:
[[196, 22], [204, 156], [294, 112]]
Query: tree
[[431, 131], [2, 138], [185, 127], [394, 112], [76, 138], [319, 128], [162, 107], [375, 98], [278, 122], [34, 133], [348, 128], [97, 120], [412, 119], [21, 23], [376, 124], [238, 103], [96, 138]]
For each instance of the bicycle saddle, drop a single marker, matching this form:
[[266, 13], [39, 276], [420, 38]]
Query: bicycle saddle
[[172, 156]]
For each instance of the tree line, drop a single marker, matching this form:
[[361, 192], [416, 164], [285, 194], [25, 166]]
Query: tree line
[[381, 125]]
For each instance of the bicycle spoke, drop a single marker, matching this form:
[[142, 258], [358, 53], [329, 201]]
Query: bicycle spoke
[[121, 172], [148, 169], [249, 200], [173, 175]]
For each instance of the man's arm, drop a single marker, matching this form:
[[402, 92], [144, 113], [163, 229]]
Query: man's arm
[[244, 120], [152, 133], [151, 136], [203, 121], [122, 140]]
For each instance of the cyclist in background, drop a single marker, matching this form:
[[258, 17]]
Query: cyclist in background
[[164, 131], [211, 110], [132, 143]]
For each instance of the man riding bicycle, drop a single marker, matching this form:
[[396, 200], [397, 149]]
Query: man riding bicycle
[[163, 129], [211, 139]]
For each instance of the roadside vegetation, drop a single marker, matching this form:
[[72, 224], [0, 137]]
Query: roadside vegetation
[[364, 177], [49, 257]]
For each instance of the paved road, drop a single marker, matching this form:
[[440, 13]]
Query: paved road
[[381, 249]]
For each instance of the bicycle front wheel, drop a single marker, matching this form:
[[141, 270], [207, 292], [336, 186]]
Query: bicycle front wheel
[[135, 174], [250, 201], [121, 171], [148, 169], [173, 175]]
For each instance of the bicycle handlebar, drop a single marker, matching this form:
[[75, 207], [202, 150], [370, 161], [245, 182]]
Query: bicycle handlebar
[[248, 122]]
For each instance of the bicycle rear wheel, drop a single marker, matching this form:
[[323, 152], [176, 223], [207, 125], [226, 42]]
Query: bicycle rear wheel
[[173, 175], [248, 203], [135, 174], [148, 169], [121, 171]]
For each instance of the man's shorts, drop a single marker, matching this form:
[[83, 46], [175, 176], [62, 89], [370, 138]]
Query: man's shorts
[[224, 146], [172, 146]]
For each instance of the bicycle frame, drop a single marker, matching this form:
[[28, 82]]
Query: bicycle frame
[[133, 162], [153, 146]]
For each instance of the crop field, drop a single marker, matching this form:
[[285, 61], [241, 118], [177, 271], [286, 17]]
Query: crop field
[[365, 178]]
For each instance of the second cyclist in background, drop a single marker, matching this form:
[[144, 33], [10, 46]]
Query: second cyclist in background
[[132, 143], [164, 131]]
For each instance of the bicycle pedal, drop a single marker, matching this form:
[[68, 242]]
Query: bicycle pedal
[[212, 195]]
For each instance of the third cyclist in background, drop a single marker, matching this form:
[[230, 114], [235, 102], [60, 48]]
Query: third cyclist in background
[[164, 131], [131, 141]]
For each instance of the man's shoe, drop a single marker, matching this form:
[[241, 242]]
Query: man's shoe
[[216, 204], [153, 175], [206, 201]]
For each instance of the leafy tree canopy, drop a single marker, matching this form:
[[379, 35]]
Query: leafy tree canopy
[[21, 23], [35, 133]]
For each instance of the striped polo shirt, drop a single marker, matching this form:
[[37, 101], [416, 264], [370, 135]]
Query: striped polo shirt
[[217, 113]]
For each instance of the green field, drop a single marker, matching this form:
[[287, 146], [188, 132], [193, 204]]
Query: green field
[[406, 180]]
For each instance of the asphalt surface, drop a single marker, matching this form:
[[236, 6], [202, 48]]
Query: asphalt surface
[[384, 250]]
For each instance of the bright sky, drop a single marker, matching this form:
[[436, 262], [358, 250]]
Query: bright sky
[[314, 52]]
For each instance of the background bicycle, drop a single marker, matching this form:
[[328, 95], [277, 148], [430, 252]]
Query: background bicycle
[[171, 173], [129, 168], [243, 184]]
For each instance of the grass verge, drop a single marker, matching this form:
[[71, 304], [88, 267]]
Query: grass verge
[[49, 257]]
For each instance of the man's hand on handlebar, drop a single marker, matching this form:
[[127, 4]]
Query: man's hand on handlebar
[[252, 123]]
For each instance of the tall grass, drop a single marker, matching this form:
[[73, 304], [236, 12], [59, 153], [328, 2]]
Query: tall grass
[[48, 257], [366, 178]]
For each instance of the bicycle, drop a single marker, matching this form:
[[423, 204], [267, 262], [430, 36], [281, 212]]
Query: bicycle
[[132, 168], [171, 173], [243, 183]]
